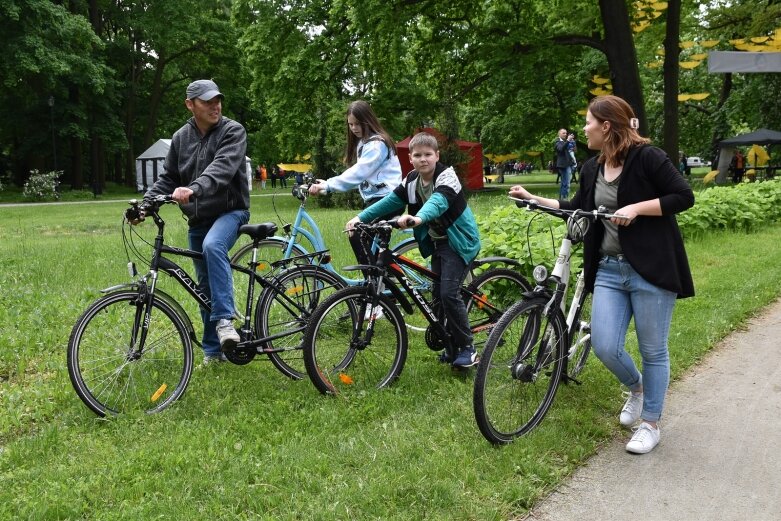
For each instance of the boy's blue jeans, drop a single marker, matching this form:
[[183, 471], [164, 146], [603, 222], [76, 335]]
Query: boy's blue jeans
[[452, 271], [619, 294], [214, 273]]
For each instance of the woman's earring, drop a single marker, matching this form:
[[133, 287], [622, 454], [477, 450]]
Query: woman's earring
[[634, 123]]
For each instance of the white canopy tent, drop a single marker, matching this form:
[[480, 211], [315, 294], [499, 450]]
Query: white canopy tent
[[149, 165]]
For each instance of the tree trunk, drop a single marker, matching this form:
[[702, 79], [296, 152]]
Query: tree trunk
[[622, 58], [671, 56], [77, 161]]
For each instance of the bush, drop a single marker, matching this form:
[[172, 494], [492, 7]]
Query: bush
[[745, 206], [742, 207], [42, 186], [531, 238]]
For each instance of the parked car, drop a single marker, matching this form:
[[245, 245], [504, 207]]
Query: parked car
[[695, 161]]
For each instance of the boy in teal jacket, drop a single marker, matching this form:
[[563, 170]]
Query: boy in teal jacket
[[445, 229]]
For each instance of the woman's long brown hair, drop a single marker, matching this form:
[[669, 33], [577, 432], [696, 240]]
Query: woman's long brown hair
[[621, 135], [370, 126]]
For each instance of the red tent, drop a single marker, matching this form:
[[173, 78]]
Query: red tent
[[473, 166]]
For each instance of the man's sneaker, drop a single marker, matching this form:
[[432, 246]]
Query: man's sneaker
[[632, 409], [644, 439], [213, 359], [227, 335], [466, 358]]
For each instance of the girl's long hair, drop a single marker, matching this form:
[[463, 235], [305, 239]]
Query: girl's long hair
[[370, 126], [622, 134]]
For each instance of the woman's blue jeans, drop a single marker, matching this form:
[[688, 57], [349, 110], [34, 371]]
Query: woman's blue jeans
[[214, 274], [620, 293]]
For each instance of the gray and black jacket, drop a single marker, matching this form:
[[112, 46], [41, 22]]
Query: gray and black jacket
[[212, 166]]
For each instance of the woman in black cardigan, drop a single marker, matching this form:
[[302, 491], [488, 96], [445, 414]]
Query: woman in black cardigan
[[636, 264]]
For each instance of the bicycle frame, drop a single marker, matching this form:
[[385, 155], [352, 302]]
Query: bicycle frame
[[159, 263]]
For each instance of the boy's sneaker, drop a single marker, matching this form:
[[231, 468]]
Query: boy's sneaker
[[644, 439], [227, 335], [632, 409], [466, 358]]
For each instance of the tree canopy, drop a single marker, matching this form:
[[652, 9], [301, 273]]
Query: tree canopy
[[93, 83]]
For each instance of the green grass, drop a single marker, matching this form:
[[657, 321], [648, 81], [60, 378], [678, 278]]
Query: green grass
[[246, 443]]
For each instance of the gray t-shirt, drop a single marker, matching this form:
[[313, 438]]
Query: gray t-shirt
[[606, 194], [435, 229]]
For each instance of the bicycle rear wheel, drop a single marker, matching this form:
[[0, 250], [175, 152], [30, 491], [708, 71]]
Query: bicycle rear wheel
[[488, 296], [283, 310], [519, 371], [108, 373], [345, 352]]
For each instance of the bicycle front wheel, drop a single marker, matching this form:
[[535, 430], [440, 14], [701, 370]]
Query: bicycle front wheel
[[108, 371], [348, 353], [283, 310], [519, 371], [488, 296]]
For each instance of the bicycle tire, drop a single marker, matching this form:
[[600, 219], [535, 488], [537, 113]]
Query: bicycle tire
[[488, 296], [580, 341], [307, 285], [519, 371], [337, 359], [103, 375]]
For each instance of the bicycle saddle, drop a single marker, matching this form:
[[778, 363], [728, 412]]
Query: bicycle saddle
[[258, 231]]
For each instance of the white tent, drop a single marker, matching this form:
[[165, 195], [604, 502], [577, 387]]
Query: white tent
[[149, 165]]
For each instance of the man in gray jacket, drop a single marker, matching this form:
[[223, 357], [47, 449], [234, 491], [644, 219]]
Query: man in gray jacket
[[205, 173]]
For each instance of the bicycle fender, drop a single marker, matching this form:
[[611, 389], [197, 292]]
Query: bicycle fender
[[492, 260], [165, 297], [168, 299]]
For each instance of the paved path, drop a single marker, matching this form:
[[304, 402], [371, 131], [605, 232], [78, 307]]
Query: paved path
[[720, 453]]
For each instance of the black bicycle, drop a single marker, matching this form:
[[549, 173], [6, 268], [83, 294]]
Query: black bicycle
[[356, 339], [533, 347], [131, 350]]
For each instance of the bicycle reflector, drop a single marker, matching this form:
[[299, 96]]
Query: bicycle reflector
[[540, 274]]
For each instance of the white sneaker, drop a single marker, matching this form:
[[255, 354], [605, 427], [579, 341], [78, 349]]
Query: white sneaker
[[378, 313], [644, 439], [227, 335], [632, 409]]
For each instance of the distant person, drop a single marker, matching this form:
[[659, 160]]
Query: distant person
[[445, 230], [273, 176], [563, 163], [205, 172], [263, 177], [738, 165], [282, 175], [374, 167], [572, 147], [635, 264]]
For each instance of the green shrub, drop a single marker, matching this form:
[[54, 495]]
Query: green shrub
[[42, 186], [745, 207]]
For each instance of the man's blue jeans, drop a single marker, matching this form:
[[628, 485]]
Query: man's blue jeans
[[566, 175], [619, 294], [214, 273]]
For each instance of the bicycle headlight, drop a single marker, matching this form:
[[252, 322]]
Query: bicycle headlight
[[540, 274]]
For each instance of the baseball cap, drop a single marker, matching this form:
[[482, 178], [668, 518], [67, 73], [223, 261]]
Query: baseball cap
[[203, 89]]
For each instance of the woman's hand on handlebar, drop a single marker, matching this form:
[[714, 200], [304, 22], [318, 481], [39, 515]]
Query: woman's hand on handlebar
[[319, 187], [408, 221], [182, 195], [520, 192], [349, 227]]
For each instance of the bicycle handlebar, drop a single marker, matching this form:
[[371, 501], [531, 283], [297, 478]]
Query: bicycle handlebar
[[533, 204]]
